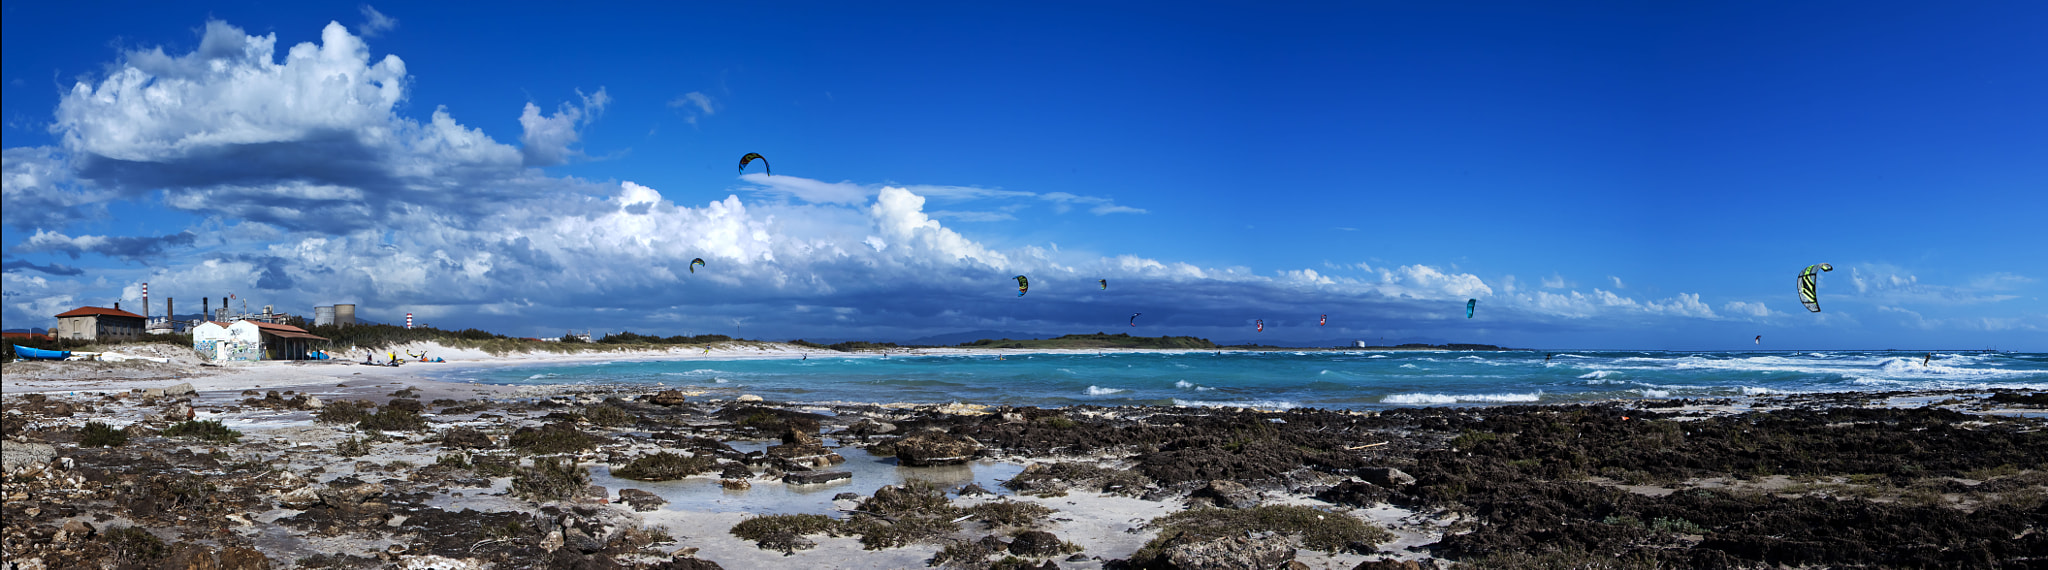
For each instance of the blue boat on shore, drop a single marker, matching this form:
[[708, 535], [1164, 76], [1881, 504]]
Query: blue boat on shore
[[40, 354]]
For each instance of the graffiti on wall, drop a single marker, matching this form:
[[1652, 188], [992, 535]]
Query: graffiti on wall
[[228, 350]]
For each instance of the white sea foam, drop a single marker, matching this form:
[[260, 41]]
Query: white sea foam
[[1411, 366], [1648, 393], [1598, 374], [1421, 398], [1099, 391], [1758, 391], [697, 372], [1261, 404], [1377, 356], [542, 375]]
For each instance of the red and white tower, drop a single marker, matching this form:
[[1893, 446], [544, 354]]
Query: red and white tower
[[408, 320]]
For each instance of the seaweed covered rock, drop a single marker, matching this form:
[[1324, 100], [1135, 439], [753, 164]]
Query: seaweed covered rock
[[466, 438], [935, 447], [1228, 494], [1231, 553]]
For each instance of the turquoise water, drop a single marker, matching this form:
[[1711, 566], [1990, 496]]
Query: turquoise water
[[1352, 379]]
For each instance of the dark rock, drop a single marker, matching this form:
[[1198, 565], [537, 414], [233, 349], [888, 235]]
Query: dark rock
[[78, 530], [466, 437], [801, 434], [929, 448], [641, 501], [1035, 544], [1231, 553], [579, 540], [971, 489], [190, 556], [1387, 477], [870, 427], [667, 398], [736, 471], [815, 477], [846, 497], [405, 404], [1229, 494], [243, 558]]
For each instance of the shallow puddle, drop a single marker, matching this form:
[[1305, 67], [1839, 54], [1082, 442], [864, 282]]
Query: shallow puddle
[[703, 493]]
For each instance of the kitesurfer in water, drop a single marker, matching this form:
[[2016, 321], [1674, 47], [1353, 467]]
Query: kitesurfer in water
[[1546, 358], [1926, 361]]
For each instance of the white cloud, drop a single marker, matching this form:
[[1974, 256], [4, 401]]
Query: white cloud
[[809, 190], [1747, 309], [1098, 206], [693, 105], [1554, 281], [375, 23], [1889, 283], [546, 140], [1617, 282]]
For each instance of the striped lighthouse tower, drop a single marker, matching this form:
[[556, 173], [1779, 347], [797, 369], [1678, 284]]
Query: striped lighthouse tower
[[145, 303], [408, 320]]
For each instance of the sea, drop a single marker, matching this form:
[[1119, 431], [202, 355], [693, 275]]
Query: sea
[[1295, 379]]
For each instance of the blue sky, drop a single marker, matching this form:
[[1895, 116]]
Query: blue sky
[[1597, 174]]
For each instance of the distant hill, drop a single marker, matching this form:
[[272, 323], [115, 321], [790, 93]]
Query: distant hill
[[1097, 340]]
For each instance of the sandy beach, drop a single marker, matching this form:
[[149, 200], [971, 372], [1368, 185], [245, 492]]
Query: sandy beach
[[340, 465]]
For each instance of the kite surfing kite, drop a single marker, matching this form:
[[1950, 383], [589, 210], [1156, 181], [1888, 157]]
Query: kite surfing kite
[[1023, 285], [1104, 282], [695, 263], [1261, 323], [1470, 304], [1134, 319], [1759, 339], [1323, 321], [1809, 285], [753, 156]]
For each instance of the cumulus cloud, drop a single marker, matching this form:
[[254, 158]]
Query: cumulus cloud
[[1617, 282], [547, 139], [40, 190]]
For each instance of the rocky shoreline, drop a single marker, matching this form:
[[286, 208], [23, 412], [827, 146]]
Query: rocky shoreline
[[386, 474]]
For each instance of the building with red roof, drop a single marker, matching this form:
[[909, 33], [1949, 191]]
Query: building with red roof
[[100, 323]]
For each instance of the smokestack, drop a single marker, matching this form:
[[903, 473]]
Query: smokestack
[[206, 308], [145, 304], [117, 305], [171, 313]]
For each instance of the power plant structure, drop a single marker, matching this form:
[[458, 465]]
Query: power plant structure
[[339, 314]]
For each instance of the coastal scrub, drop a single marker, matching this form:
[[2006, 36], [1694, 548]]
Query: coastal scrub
[[664, 466], [1319, 529], [550, 479], [204, 430]]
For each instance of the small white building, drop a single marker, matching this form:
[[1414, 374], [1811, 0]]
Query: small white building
[[216, 341], [248, 340]]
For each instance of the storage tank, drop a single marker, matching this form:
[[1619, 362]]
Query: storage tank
[[345, 315], [323, 316]]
